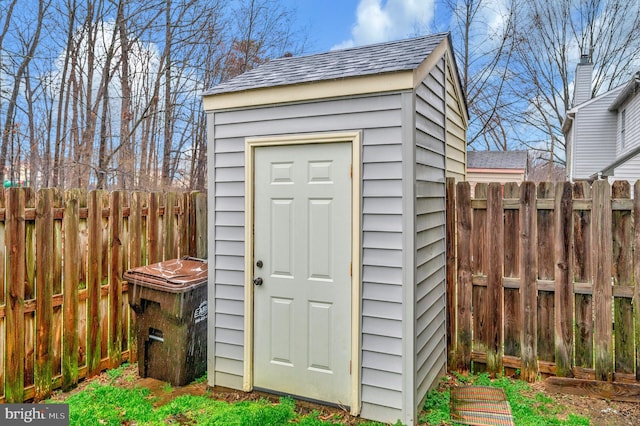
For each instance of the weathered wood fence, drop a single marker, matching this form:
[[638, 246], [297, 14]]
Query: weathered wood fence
[[545, 279], [64, 312]]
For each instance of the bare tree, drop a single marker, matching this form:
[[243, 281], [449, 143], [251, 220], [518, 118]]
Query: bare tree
[[552, 37], [29, 38], [484, 54]]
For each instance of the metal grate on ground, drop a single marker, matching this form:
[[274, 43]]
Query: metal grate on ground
[[480, 406]]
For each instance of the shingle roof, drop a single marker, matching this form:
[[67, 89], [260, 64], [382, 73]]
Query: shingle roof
[[497, 159], [402, 55]]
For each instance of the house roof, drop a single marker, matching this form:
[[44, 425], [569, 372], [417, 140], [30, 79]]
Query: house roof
[[497, 160], [381, 58]]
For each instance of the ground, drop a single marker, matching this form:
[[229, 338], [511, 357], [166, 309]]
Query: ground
[[601, 412]]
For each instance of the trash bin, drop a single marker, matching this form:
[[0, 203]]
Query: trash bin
[[170, 302]]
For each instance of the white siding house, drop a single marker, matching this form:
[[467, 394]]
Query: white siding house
[[602, 133], [327, 172]]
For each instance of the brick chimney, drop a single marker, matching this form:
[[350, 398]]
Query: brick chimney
[[582, 85]]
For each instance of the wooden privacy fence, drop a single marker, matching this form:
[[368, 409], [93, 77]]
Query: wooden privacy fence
[[64, 311], [545, 279]]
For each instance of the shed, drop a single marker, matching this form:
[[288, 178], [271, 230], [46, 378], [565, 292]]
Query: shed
[[327, 224], [497, 166]]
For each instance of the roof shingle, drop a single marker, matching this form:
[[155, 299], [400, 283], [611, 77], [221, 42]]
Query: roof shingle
[[497, 159], [393, 56]]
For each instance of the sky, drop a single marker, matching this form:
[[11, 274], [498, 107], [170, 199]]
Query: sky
[[334, 24]]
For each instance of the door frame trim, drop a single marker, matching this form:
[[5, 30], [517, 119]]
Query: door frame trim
[[355, 139]]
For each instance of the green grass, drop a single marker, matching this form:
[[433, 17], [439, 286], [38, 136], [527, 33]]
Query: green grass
[[528, 408], [110, 405]]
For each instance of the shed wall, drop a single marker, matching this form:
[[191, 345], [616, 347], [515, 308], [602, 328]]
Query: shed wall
[[456, 133], [431, 160], [379, 119]]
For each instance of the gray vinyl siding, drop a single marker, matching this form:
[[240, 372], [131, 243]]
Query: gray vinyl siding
[[379, 119], [431, 164], [456, 133], [594, 143], [632, 127]]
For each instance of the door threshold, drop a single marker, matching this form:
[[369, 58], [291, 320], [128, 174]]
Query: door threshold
[[343, 407]]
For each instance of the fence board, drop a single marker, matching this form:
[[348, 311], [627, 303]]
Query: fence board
[[199, 224], [104, 280], [115, 279], [478, 265], [636, 273], [512, 319], [528, 281], [29, 292], [602, 291], [546, 271], [44, 293], [495, 258], [83, 241], [94, 275], [622, 234], [15, 238], [3, 290], [564, 288], [58, 260], [450, 200], [464, 285], [582, 273], [70, 351], [154, 244]]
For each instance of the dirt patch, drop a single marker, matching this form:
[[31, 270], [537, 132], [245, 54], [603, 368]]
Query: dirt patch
[[601, 412]]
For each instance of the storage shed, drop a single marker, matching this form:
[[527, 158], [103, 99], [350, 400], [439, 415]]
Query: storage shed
[[327, 224]]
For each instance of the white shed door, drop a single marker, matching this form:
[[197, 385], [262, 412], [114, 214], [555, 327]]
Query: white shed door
[[302, 253]]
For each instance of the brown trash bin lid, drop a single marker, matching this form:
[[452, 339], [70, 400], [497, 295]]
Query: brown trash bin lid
[[176, 275]]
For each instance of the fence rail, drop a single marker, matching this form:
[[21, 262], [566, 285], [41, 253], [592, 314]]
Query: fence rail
[[547, 279], [63, 303]]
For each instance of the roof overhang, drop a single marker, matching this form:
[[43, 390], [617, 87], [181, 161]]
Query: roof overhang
[[324, 89], [310, 91]]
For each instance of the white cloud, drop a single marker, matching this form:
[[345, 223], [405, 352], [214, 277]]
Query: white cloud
[[379, 20]]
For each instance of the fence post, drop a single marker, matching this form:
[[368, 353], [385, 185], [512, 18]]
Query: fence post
[[464, 285], [563, 281], [450, 212], [602, 291], [44, 294], [15, 334], [495, 253], [528, 283], [636, 270]]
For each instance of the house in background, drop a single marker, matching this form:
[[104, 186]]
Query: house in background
[[327, 224], [496, 166], [602, 133]]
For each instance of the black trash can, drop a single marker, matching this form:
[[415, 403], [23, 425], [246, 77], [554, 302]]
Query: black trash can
[[170, 302]]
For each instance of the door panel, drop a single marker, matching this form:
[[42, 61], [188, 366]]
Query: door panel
[[302, 235]]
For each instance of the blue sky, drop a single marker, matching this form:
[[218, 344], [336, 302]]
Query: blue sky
[[344, 23]]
